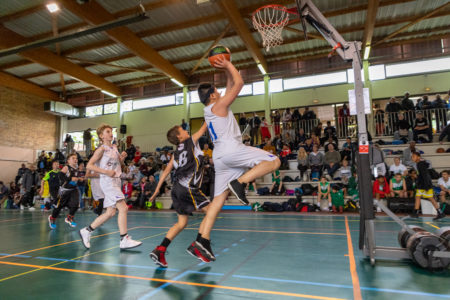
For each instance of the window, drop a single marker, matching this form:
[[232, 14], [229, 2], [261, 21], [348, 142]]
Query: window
[[193, 97], [418, 67], [126, 106], [222, 91], [377, 72], [315, 80], [179, 98], [110, 108], [258, 88], [275, 85], [351, 76], [92, 111], [154, 102], [246, 90]]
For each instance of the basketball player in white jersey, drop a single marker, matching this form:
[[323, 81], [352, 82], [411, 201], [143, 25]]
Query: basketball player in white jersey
[[109, 167], [231, 157]]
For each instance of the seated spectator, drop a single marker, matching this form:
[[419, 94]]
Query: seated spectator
[[315, 139], [269, 147], [284, 157], [397, 186], [315, 161], [331, 161], [144, 192], [444, 184], [330, 141], [13, 196], [330, 132], [411, 183], [317, 131], [422, 126], [3, 193], [301, 137], [346, 152], [403, 131], [377, 164], [407, 153], [381, 188], [207, 152], [289, 140], [127, 189], [302, 160], [277, 183], [324, 195], [445, 134], [165, 157], [137, 155], [397, 167], [337, 199], [278, 143], [344, 172], [308, 146]]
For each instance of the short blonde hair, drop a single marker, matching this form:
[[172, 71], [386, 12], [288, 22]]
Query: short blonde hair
[[102, 128]]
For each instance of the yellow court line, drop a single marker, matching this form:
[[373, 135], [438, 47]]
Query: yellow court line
[[351, 258], [429, 223], [62, 262], [61, 244], [214, 286]]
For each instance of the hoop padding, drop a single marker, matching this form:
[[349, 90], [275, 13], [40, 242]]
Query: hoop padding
[[270, 20]]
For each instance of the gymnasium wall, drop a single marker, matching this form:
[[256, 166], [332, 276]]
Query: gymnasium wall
[[24, 128]]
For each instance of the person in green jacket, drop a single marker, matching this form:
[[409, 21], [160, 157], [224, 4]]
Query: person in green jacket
[[353, 186], [337, 199]]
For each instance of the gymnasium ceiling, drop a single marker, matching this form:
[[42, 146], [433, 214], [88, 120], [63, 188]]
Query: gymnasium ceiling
[[173, 40]]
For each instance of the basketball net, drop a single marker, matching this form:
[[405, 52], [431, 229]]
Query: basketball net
[[270, 20]]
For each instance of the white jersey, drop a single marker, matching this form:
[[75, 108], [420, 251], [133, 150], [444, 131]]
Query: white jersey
[[110, 161], [224, 132], [444, 183]]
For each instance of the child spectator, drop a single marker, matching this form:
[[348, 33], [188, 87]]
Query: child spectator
[[337, 199], [352, 189], [444, 184], [397, 167], [269, 147], [324, 196], [381, 189], [284, 156], [127, 189], [276, 182], [346, 152], [302, 160], [397, 186], [137, 155]]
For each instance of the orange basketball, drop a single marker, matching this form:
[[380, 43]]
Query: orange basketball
[[218, 51]]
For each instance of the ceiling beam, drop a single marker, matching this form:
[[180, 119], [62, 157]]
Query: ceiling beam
[[403, 28], [22, 13], [9, 38], [95, 14], [26, 87], [372, 9], [231, 10]]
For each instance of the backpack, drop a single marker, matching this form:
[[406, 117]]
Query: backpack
[[290, 192], [351, 206], [257, 207], [263, 191], [286, 206], [287, 179], [307, 189]]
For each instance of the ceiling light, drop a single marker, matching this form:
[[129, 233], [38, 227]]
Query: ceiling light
[[366, 52], [176, 82], [261, 68], [52, 7], [108, 93]]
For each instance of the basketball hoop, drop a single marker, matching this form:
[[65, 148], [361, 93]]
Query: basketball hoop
[[270, 20]]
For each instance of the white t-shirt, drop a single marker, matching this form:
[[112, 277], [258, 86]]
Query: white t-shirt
[[443, 183], [397, 169]]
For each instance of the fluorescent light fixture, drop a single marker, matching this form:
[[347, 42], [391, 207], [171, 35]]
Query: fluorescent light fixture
[[52, 7], [366, 53], [176, 82], [261, 68], [109, 94]]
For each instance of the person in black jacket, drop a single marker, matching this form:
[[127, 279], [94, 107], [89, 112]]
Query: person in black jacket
[[441, 112], [445, 133], [421, 126], [255, 122], [424, 187], [392, 108]]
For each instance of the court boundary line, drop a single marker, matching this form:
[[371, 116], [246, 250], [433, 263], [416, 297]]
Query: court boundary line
[[351, 258]]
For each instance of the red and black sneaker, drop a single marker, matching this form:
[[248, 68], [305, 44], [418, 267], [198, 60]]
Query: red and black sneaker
[[195, 252], [158, 256]]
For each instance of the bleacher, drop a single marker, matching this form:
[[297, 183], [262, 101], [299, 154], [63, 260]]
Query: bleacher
[[439, 161]]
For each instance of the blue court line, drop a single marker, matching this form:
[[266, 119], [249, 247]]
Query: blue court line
[[225, 250], [160, 288], [374, 289]]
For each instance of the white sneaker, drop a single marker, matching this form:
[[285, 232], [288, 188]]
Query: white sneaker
[[128, 243], [85, 237], [22, 207], [32, 208]]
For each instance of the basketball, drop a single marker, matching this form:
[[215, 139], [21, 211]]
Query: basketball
[[218, 51]]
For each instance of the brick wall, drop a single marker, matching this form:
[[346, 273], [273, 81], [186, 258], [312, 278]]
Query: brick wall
[[23, 122]]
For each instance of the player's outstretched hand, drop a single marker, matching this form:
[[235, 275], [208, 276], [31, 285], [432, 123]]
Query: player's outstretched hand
[[221, 62], [123, 155], [110, 173]]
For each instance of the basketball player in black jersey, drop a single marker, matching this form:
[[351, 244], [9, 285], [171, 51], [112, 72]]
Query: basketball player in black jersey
[[186, 194], [68, 192]]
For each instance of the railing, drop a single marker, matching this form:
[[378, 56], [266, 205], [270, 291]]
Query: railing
[[294, 126]]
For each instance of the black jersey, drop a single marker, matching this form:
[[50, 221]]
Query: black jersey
[[424, 181], [67, 178], [188, 164]]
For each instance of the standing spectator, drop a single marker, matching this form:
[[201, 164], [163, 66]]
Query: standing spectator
[[308, 120], [265, 132], [408, 107], [403, 131], [441, 112], [421, 126], [87, 138], [207, 152], [315, 161], [276, 119], [379, 120], [287, 116], [397, 185], [269, 147], [69, 144], [445, 133], [302, 160], [131, 151], [397, 167], [332, 161], [427, 107], [255, 122], [242, 122], [392, 108], [20, 173], [30, 182], [59, 156], [42, 162], [343, 115], [444, 184], [296, 117]]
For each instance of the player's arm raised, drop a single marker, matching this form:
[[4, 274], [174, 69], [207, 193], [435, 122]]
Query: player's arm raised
[[234, 84], [199, 133], [161, 179], [96, 157]]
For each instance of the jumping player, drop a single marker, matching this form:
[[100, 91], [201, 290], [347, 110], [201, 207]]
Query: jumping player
[[109, 168], [186, 194], [68, 192], [231, 157]]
